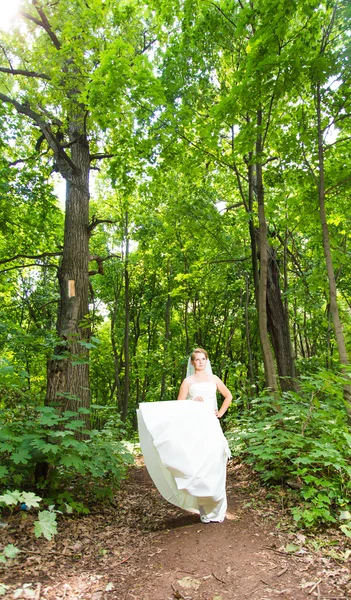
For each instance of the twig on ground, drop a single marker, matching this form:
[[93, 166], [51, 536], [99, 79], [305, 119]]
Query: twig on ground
[[314, 586], [125, 559], [218, 579], [282, 571], [177, 593], [291, 554], [189, 572]]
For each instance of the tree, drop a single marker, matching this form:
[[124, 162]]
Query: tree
[[65, 58]]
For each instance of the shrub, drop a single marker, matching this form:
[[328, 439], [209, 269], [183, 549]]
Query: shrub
[[306, 445], [36, 435]]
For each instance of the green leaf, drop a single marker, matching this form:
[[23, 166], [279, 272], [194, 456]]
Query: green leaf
[[11, 551], [346, 530], [46, 524], [291, 548], [22, 456], [345, 515], [10, 498], [30, 499], [3, 471], [3, 589], [73, 460]]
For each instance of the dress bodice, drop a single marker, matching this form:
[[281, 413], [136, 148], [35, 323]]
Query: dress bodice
[[207, 391]]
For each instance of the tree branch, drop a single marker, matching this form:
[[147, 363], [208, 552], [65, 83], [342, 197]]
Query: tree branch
[[26, 266], [309, 166], [64, 163], [223, 14], [100, 260], [101, 155], [30, 256], [327, 146], [95, 222], [25, 73], [23, 160], [338, 184], [44, 23]]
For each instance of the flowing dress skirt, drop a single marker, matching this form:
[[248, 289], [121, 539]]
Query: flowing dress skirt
[[186, 454]]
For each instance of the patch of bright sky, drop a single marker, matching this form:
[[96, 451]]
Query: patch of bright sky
[[8, 11]]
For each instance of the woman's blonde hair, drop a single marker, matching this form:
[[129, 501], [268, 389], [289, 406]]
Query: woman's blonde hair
[[198, 351]]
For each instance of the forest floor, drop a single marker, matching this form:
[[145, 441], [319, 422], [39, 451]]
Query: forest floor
[[142, 548]]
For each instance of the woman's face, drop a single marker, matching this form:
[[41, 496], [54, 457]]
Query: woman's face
[[199, 362]]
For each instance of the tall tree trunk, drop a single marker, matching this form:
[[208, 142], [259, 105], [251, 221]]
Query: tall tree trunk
[[268, 361], [68, 378], [247, 333], [334, 309], [252, 231], [126, 325], [167, 335]]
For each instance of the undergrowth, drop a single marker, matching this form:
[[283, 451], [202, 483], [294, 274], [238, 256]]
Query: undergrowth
[[303, 444]]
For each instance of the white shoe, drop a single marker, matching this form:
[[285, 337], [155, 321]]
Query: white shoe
[[203, 517]]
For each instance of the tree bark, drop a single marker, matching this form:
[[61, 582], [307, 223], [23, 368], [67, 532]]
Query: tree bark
[[68, 374], [268, 361], [334, 309], [126, 325], [167, 335], [278, 326]]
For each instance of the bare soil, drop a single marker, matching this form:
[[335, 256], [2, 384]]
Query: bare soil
[[142, 548]]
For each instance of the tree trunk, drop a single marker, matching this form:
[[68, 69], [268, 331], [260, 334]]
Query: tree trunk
[[167, 336], [268, 361], [247, 334], [68, 377], [334, 309], [278, 326], [126, 327]]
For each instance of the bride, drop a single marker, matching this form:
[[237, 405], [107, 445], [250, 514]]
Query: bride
[[183, 445]]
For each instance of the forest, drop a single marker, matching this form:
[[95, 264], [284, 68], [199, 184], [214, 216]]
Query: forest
[[204, 148]]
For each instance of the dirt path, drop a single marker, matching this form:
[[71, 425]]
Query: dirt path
[[142, 548]]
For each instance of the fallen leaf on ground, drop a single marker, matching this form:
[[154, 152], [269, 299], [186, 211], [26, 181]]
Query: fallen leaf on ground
[[189, 583]]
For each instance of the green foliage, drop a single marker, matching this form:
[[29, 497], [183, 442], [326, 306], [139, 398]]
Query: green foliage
[[44, 435], [305, 445]]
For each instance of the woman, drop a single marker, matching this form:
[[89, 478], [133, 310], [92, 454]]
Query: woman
[[201, 385], [183, 445]]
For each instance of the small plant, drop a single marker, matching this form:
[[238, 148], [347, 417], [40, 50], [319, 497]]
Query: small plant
[[46, 524]]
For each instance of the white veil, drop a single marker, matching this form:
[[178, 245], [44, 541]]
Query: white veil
[[190, 368]]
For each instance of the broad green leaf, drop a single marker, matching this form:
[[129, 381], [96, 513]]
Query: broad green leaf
[[11, 551], [46, 524], [9, 498]]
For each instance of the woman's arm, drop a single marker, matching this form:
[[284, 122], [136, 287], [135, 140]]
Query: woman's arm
[[183, 390], [226, 394]]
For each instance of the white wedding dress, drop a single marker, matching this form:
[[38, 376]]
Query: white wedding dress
[[186, 452]]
